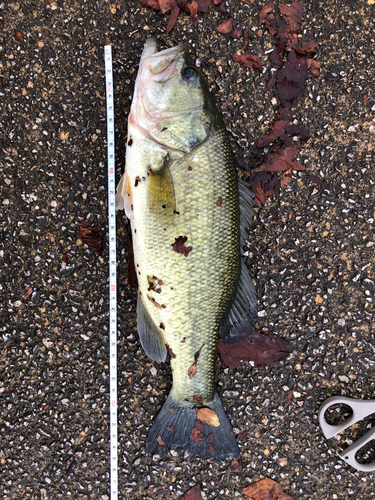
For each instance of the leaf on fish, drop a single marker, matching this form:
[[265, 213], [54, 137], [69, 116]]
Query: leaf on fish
[[208, 416], [196, 433], [193, 494], [245, 343], [266, 489]]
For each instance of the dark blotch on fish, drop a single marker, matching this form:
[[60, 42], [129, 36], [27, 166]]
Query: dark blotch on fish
[[137, 181], [130, 142], [219, 201], [162, 326], [170, 353], [179, 246]]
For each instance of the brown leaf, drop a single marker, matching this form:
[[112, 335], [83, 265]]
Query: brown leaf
[[292, 15], [313, 67], [166, 5], [264, 13], [151, 3], [252, 62], [193, 6], [316, 180], [277, 129], [225, 27], [208, 416], [266, 489], [282, 162], [291, 79], [236, 33], [235, 465], [307, 47], [92, 236], [263, 348], [193, 494], [285, 179], [18, 36], [172, 18]]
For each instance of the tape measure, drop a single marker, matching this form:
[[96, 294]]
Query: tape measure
[[112, 273]]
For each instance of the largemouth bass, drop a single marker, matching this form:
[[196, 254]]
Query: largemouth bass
[[180, 191]]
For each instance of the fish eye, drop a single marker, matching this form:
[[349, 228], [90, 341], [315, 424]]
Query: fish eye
[[189, 74]]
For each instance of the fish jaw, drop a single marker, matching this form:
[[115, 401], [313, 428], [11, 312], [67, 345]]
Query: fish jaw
[[154, 68]]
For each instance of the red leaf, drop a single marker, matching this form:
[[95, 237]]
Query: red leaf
[[278, 128], [313, 66], [237, 33], [18, 36], [225, 27], [264, 13], [263, 349], [166, 5], [196, 435], [203, 5], [316, 180], [193, 6], [285, 180], [292, 15], [282, 162], [266, 489], [291, 79], [307, 47], [252, 62], [193, 494], [172, 18], [92, 236]]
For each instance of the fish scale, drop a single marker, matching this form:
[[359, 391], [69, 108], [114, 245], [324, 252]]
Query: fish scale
[[201, 284]]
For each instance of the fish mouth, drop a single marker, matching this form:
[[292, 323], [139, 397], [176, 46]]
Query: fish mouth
[[161, 65]]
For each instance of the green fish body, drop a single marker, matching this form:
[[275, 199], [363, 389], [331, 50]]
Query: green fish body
[[180, 191]]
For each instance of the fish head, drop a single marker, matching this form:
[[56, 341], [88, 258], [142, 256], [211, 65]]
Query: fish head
[[172, 103]]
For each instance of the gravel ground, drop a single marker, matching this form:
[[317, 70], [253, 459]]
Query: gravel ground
[[314, 271]]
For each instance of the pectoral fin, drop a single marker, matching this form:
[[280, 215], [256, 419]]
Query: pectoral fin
[[151, 340], [124, 199], [160, 191]]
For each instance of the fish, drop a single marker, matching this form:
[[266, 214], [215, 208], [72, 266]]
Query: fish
[[189, 215]]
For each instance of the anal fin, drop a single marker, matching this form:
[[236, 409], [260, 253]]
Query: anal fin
[[124, 198], [151, 340]]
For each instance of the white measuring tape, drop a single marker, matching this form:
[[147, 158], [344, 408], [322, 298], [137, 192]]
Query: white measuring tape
[[112, 273]]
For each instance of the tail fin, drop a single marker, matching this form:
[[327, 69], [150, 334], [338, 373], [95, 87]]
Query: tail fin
[[178, 426]]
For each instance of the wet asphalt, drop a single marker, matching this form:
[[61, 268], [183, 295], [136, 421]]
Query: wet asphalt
[[313, 270]]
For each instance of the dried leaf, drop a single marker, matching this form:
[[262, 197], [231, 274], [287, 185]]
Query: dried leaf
[[18, 36], [285, 179], [316, 180], [92, 236], [266, 489], [208, 416], [235, 465], [225, 27], [252, 62], [291, 79], [193, 494], [172, 18], [193, 6], [264, 13], [236, 33], [160, 441], [292, 15], [196, 435], [246, 343], [307, 47], [166, 5], [277, 129], [313, 67]]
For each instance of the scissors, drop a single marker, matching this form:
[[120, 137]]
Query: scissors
[[361, 409]]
